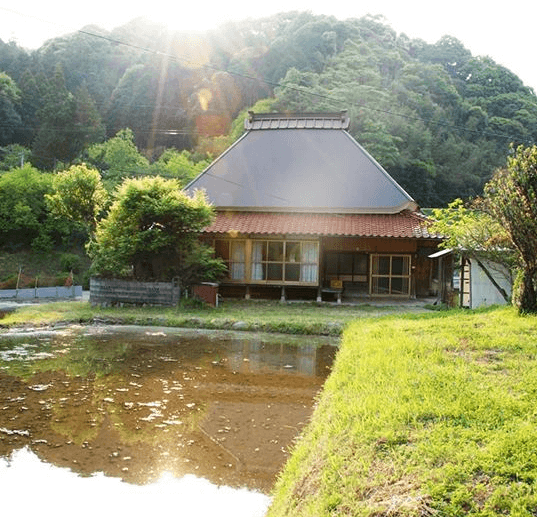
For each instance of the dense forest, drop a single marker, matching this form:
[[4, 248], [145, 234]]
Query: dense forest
[[439, 119]]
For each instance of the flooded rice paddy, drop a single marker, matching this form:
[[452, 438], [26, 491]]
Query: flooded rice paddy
[[143, 419]]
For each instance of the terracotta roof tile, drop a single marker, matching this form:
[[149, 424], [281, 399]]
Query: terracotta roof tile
[[405, 224]]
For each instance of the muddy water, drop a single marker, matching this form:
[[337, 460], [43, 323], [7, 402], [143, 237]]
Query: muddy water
[[138, 404]]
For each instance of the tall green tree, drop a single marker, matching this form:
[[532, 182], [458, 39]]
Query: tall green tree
[[510, 198], [24, 218], [10, 119], [118, 158], [54, 141], [153, 100], [78, 195], [13, 156], [89, 127], [96, 62], [447, 51], [180, 165], [478, 236]]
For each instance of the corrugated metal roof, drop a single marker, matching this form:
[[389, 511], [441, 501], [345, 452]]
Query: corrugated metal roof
[[405, 224], [294, 163]]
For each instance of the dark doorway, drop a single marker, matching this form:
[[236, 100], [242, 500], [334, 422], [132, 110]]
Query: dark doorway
[[350, 268]]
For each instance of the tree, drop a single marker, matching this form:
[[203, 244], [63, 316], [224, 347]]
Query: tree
[[89, 128], [23, 213], [237, 128], [87, 60], [483, 77], [78, 195], [447, 51], [510, 198], [478, 236], [10, 97], [153, 100], [8, 88], [56, 124], [13, 156], [151, 233], [181, 166], [118, 158]]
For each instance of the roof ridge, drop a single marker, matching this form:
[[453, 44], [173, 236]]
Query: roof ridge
[[303, 120]]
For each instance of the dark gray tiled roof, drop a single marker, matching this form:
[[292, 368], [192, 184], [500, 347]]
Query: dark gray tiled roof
[[297, 121]]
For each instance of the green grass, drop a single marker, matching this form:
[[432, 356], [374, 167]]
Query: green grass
[[291, 318], [426, 415]]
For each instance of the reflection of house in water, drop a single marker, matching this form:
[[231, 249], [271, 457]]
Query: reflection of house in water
[[257, 356], [186, 402]]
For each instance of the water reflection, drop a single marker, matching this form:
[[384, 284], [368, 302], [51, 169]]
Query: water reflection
[[65, 493], [133, 403]]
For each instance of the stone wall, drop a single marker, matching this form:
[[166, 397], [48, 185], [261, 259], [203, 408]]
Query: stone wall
[[106, 291]]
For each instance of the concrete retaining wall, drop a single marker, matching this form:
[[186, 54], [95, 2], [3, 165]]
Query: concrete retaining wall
[[74, 291], [106, 291]]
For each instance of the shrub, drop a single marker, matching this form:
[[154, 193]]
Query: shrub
[[9, 283], [43, 243], [151, 233], [70, 262]]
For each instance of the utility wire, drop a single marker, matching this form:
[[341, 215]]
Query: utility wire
[[333, 100]]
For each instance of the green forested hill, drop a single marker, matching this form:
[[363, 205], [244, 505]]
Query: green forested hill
[[439, 119]]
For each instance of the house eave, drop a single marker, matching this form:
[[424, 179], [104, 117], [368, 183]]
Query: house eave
[[401, 225], [410, 206]]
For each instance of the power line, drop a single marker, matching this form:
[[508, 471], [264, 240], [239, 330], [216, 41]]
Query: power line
[[340, 102], [335, 101]]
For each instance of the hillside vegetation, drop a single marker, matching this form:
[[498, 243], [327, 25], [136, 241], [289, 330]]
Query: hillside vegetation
[[423, 415], [439, 119]]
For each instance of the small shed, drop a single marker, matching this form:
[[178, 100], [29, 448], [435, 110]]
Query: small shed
[[483, 283]]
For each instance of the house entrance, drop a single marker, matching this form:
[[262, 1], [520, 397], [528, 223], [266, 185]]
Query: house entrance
[[349, 267]]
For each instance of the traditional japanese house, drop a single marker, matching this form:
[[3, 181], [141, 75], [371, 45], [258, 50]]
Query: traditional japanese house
[[304, 211]]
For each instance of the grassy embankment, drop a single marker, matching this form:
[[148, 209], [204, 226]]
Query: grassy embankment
[[292, 318], [427, 415]]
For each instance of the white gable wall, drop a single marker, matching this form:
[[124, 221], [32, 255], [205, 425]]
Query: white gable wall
[[483, 293]]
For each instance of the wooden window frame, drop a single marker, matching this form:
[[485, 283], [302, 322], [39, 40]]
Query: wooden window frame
[[284, 261], [229, 261], [376, 276]]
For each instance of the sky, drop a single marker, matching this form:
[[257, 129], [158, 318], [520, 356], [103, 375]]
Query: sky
[[59, 491], [504, 31]]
